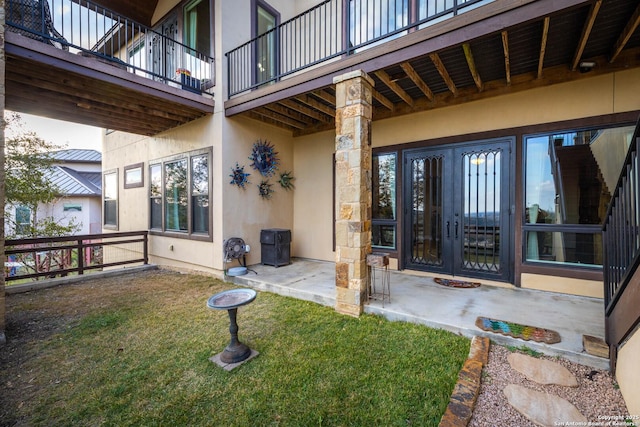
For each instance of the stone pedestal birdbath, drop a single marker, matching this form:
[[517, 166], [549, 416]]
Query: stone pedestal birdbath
[[230, 300]]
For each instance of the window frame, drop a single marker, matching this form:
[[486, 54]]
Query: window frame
[[386, 222], [190, 5], [189, 233], [106, 225], [568, 228], [255, 4], [20, 226]]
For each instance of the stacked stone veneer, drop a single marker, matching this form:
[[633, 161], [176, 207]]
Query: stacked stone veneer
[[353, 189]]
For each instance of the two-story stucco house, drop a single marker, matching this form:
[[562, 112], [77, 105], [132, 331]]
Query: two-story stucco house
[[475, 139]]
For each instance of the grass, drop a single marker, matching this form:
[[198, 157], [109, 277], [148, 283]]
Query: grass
[[138, 355], [526, 350]]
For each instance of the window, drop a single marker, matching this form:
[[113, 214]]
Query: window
[[569, 179], [179, 194], [266, 46], [23, 220], [133, 176], [383, 214], [110, 199], [197, 26]]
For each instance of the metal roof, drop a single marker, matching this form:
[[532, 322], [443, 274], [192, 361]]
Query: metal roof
[[73, 183], [76, 155]]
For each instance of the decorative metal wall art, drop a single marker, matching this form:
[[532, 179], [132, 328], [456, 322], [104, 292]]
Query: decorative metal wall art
[[238, 176], [286, 180], [265, 190], [264, 157]]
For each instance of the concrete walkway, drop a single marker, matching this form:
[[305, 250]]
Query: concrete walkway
[[418, 299]]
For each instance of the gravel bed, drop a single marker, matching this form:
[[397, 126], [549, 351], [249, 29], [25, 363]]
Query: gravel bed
[[597, 395]]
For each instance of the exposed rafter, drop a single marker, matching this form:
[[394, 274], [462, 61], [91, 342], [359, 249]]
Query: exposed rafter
[[417, 80], [507, 61], [382, 100], [265, 112], [325, 96], [468, 54], [435, 58], [382, 75], [256, 115], [624, 37], [543, 45], [586, 32], [306, 99], [289, 113], [303, 109]]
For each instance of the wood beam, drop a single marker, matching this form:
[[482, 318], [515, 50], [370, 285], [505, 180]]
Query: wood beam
[[287, 112], [382, 99], [303, 109], [306, 99], [325, 96], [468, 54], [507, 61], [543, 45], [264, 111], [624, 37], [266, 119], [382, 75], [586, 32], [435, 58], [417, 80]]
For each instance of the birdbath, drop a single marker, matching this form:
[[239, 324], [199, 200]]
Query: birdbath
[[230, 300]]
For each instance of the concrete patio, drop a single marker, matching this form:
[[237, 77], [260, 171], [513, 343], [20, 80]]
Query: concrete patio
[[417, 298]]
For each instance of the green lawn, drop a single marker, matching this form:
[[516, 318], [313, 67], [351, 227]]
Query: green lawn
[[136, 352]]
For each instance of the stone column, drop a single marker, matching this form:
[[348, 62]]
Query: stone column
[[353, 189]]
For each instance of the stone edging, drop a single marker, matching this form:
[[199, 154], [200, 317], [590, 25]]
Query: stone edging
[[467, 388]]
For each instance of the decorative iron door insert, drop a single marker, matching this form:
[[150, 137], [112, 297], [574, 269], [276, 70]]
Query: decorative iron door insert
[[458, 209]]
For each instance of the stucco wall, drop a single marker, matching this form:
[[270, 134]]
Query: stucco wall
[[628, 374]]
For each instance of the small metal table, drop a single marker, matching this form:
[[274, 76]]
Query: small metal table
[[230, 300], [379, 286]]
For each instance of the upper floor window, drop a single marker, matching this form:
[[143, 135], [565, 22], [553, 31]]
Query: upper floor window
[[265, 21], [197, 26], [570, 176], [179, 194], [23, 220]]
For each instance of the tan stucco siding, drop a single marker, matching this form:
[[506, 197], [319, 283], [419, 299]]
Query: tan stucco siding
[[628, 374]]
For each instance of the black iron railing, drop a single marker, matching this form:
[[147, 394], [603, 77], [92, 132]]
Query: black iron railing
[[332, 29], [621, 230], [87, 29], [60, 256]]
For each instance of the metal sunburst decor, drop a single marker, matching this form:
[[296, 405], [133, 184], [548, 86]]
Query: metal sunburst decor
[[264, 157], [265, 190], [286, 180], [239, 177]]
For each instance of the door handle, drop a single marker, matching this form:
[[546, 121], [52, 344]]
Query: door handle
[[455, 226], [448, 234]]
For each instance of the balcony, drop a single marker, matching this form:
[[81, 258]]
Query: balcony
[[425, 54], [76, 61]]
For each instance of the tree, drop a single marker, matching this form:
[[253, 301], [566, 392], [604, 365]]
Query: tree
[[27, 162]]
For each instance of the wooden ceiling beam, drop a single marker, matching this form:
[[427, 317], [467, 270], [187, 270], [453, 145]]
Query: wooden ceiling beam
[[382, 100], [417, 80], [288, 112], [624, 37], [264, 111], [437, 62], [325, 96], [507, 60], [395, 87], [255, 115], [543, 45], [303, 109], [586, 32], [468, 54], [306, 99]]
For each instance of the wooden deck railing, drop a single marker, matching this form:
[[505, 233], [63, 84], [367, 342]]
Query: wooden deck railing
[[60, 256], [621, 240]]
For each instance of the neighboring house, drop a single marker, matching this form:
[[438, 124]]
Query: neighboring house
[[476, 139], [77, 174]]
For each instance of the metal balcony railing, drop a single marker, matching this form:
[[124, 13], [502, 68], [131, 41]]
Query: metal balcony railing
[[84, 28], [332, 29], [621, 230]]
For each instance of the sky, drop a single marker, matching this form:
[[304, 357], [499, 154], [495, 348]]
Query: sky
[[64, 133]]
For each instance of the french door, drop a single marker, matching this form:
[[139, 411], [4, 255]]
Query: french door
[[457, 209]]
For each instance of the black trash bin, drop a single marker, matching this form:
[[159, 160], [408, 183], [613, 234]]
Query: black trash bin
[[275, 246]]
